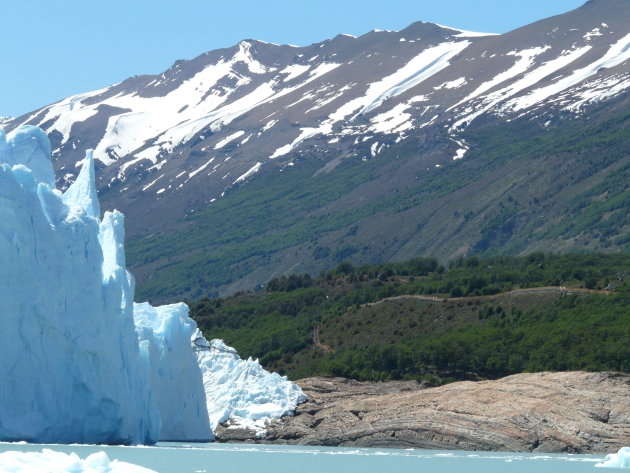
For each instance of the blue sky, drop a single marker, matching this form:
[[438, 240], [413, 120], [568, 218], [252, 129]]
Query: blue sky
[[55, 48]]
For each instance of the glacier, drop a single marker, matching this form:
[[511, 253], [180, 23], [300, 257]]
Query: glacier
[[165, 333], [241, 391], [79, 361], [70, 367]]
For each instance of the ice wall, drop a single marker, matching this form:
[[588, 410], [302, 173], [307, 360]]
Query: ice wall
[[70, 369], [241, 390], [74, 366], [165, 334], [79, 362]]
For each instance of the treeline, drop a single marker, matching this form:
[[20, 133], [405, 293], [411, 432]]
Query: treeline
[[411, 339]]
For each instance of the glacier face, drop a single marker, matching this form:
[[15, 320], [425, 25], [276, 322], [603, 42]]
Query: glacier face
[[73, 369], [165, 334], [79, 361], [241, 391], [70, 368]]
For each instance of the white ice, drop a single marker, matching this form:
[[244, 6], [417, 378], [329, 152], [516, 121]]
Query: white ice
[[621, 459], [70, 368], [50, 461], [241, 390], [165, 334], [79, 362]]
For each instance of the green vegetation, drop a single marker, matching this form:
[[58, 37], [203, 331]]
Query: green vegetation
[[472, 329], [519, 189]]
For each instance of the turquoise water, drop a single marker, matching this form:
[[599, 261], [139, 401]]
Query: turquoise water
[[224, 458]]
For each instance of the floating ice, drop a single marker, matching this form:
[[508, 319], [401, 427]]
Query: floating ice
[[57, 462], [621, 459]]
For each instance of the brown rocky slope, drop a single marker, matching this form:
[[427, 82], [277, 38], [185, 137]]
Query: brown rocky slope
[[574, 412]]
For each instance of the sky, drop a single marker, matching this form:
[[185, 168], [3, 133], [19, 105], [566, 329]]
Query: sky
[[52, 49]]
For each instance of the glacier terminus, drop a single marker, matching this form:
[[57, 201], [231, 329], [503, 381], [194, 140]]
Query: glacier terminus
[[80, 362]]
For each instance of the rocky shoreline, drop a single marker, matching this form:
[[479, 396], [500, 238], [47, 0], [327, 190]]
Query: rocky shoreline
[[574, 412]]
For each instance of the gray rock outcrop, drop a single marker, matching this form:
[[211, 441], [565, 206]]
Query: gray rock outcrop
[[574, 412]]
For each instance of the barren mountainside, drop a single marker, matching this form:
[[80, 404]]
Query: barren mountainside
[[260, 159]]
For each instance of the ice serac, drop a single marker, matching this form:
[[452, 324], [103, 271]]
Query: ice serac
[[30, 147], [165, 334], [81, 195], [70, 368], [241, 391]]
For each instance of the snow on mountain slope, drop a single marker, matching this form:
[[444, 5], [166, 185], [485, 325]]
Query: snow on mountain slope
[[185, 137], [618, 53]]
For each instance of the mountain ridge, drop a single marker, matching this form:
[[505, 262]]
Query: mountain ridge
[[171, 146]]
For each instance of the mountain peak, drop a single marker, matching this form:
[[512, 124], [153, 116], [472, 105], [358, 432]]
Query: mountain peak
[[177, 144]]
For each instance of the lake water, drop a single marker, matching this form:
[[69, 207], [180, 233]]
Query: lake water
[[228, 458]]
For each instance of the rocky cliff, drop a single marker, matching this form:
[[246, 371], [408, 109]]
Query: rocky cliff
[[574, 412]]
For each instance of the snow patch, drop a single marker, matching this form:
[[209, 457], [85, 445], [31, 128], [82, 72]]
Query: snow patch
[[293, 71], [253, 170], [594, 32], [229, 138], [525, 61], [268, 125], [531, 78], [454, 84], [465, 33], [426, 64], [618, 53], [199, 169], [392, 121]]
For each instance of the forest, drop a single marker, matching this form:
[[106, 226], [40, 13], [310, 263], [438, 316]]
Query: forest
[[475, 318]]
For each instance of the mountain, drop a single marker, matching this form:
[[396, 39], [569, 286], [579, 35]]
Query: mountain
[[261, 159]]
